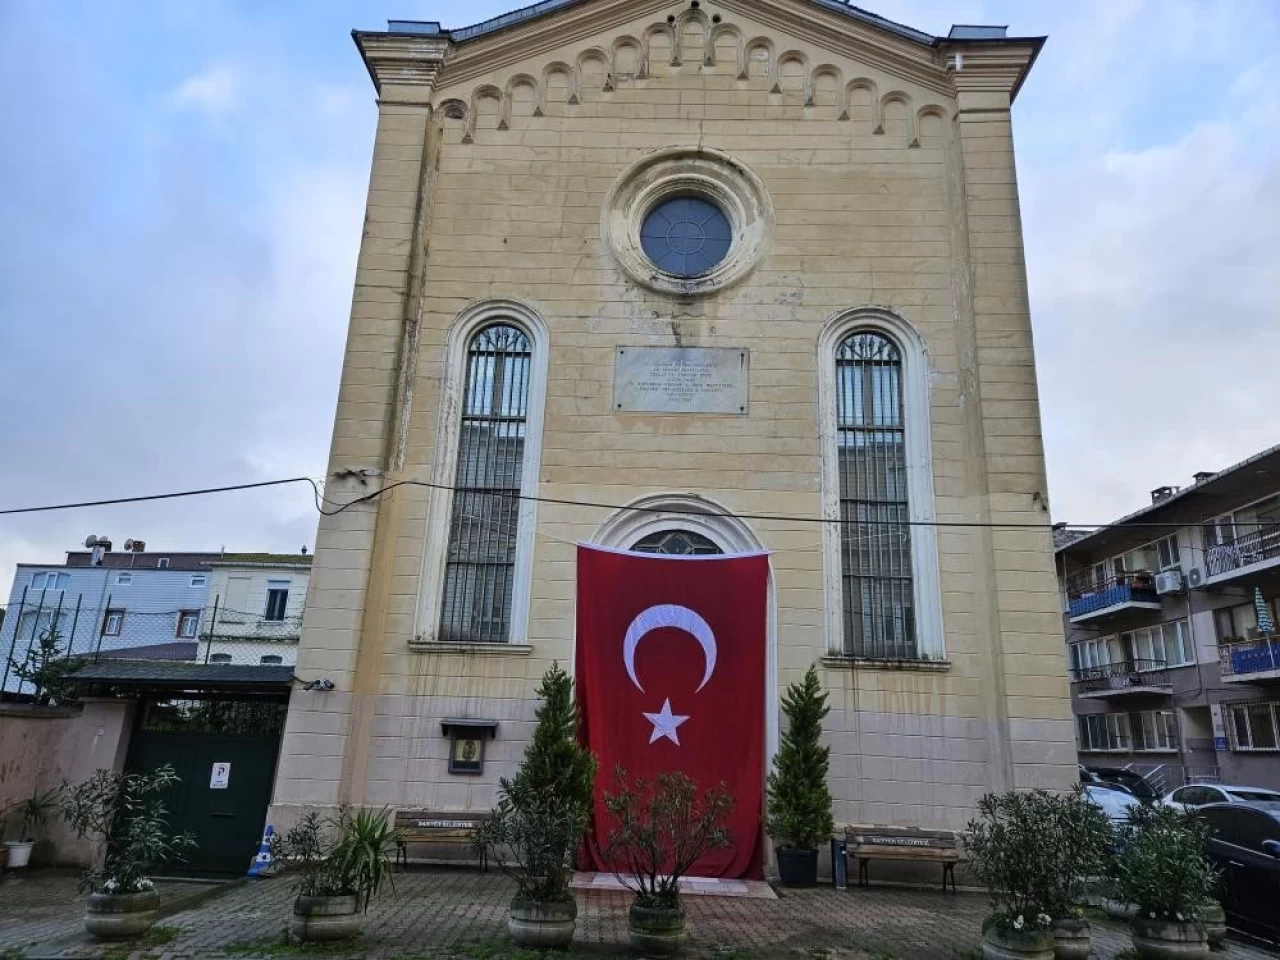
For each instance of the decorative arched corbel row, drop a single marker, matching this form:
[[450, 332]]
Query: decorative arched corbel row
[[593, 53], [864, 83], [482, 92], [827, 70], [508, 98], [771, 64], [647, 46], [625, 42], [929, 110], [728, 29], [897, 96], [549, 71], [794, 56]]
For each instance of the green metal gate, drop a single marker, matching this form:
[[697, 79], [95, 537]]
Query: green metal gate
[[225, 751]]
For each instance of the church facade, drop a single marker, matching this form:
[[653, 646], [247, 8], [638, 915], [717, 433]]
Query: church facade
[[690, 278]]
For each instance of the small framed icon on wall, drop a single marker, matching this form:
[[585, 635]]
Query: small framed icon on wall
[[467, 739]]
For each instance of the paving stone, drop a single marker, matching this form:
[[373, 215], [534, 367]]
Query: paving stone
[[448, 914]]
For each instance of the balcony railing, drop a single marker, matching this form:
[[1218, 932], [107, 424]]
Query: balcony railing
[[1257, 547], [1089, 594], [1126, 676], [1250, 657]]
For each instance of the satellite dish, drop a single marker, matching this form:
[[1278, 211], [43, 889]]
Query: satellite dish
[[91, 541]]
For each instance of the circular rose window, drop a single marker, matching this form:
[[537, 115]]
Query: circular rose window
[[686, 236], [687, 221]]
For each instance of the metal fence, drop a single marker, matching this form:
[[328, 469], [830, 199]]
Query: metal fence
[[46, 638]]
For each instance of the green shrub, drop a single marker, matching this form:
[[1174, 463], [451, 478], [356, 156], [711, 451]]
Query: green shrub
[[799, 801], [1161, 866]]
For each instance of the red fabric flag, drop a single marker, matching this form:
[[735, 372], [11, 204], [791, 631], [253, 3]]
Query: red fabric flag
[[671, 676]]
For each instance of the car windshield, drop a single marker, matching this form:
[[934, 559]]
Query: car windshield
[[1256, 796]]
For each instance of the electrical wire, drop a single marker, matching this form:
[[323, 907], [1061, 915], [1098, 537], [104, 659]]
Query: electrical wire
[[342, 507]]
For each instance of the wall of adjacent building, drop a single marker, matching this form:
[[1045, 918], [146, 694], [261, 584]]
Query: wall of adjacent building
[[931, 231]]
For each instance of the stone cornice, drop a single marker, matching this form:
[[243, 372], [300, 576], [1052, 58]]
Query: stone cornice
[[402, 60], [992, 67], [896, 55]]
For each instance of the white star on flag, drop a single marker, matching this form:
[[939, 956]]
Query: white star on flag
[[665, 723]]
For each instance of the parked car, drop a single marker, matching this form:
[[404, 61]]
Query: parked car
[[1131, 781], [1196, 795], [1116, 804], [1088, 775], [1245, 845]]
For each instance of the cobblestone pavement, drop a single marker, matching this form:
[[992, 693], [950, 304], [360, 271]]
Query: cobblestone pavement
[[461, 915]]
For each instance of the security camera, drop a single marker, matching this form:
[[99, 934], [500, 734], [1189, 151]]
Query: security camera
[[324, 683]]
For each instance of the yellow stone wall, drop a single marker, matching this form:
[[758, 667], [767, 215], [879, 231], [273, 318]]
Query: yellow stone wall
[[919, 215]]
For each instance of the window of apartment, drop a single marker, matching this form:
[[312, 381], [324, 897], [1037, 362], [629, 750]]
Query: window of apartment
[[277, 599], [878, 589], [271, 660], [1164, 645], [162, 563], [112, 623], [1261, 518], [51, 581], [36, 624], [1238, 623], [1143, 731], [124, 579], [188, 623], [1167, 554], [1253, 726], [479, 574], [199, 580], [220, 658], [1090, 654]]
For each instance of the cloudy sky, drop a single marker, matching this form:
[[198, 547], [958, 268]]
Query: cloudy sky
[[181, 190]]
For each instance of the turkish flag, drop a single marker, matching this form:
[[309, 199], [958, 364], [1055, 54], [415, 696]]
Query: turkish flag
[[671, 676]]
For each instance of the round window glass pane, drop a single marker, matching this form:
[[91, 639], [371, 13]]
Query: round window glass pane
[[686, 236]]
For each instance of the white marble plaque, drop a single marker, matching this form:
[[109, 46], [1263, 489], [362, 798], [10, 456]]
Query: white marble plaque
[[681, 380]]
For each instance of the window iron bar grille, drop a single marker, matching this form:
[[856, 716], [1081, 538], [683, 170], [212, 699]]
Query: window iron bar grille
[[480, 566], [875, 548]]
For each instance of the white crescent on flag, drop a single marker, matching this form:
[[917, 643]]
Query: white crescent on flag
[[669, 615]]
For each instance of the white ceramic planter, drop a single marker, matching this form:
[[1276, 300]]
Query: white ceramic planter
[[19, 853]]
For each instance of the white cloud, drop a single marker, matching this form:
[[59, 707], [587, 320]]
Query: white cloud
[[217, 91]]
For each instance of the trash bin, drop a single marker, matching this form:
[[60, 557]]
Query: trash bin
[[839, 864]]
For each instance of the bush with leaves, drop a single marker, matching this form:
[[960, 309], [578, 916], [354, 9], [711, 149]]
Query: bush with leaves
[[124, 813], [799, 800], [32, 814], [349, 855], [1033, 851], [47, 667], [542, 811], [663, 828], [1161, 865]]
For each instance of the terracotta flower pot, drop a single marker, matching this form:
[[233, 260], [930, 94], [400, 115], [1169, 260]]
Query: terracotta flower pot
[[1169, 939], [539, 924], [1071, 939], [320, 919], [1001, 944], [656, 931], [120, 916]]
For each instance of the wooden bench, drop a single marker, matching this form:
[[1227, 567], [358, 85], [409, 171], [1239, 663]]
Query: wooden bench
[[867, 843], [420, 826]]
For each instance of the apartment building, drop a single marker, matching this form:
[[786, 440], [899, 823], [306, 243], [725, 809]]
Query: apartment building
[[1170, 623]]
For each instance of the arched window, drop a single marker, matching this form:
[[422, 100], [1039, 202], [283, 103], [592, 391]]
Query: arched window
[[884, 598], [479, 575], [875, 536], [676, 543]]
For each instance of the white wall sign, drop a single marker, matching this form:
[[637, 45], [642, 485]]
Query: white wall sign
[[681, 380], [220, 777]]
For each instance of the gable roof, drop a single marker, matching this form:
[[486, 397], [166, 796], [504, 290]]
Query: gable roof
[[432, 28]]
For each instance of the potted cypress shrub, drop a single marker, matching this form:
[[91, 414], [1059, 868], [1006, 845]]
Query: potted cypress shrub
[[540, 818], [342, 864], [799, 800], [1013, 852], [125, 814], [32, 815], [1161, 868], [663, 827]]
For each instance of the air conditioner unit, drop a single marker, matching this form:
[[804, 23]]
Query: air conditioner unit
[[1169, 582], [1195, 577]]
